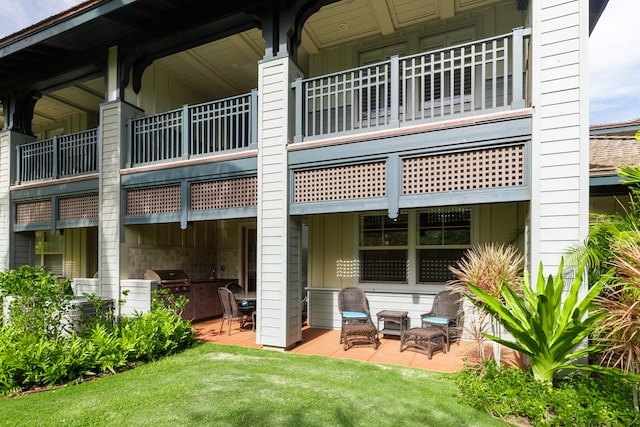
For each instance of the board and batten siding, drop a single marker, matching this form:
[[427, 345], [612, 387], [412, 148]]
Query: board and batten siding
[[324, 313], [560, 156], [275, 281]]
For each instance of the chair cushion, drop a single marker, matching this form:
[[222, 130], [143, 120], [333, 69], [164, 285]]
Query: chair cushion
[[248, 303], [436, 320], [354, 315]]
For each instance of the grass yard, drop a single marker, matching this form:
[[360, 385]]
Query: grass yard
[[217, 385]]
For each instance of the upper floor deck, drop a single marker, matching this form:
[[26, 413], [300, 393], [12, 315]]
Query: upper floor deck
[[466, 80]]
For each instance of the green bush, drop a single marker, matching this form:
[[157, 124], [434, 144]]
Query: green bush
[[38, 300], [30, 360], [576, 400]]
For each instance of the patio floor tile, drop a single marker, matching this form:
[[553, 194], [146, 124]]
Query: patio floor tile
[[326, 342]]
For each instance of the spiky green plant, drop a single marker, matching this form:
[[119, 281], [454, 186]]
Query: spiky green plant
[[546, 326]]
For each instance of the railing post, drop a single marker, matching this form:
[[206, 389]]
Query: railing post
[[18, 164], [129, 161], [186, 131], [394, 119], [253, 117], [518, 67], [55, 167], [298, 107]]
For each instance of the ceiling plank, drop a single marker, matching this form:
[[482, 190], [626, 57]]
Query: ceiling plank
[[67, 103], [447, 9], [383, 17]]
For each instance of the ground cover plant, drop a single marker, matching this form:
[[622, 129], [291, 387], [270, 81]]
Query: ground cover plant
[[553, 324], [40, 348], [577, 400], [222, 385]]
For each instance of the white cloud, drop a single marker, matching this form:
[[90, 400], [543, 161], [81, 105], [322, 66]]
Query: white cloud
[[614, 63], [17, 15]]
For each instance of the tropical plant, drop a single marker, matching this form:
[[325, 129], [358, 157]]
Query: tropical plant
[[605, 230], [619, 328], [37, 301], [488, 267], [551, 329]]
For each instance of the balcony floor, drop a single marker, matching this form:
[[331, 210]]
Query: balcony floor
[[326, 342]]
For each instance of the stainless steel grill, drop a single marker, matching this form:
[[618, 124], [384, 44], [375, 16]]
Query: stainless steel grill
[[174, 281]]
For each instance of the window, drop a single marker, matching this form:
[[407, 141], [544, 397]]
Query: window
[[449, 80], [383, 249], [375, 85], [49, 252], [443, 236]]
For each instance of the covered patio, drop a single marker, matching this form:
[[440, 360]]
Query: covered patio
[[326, 342]]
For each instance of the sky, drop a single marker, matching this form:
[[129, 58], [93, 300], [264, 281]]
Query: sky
[[614, 49]]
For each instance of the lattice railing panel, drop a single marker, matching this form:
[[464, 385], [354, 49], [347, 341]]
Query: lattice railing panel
[[224, 194], [153, 200], [79, 207], [340, 183], [498, 167], [33, 212]]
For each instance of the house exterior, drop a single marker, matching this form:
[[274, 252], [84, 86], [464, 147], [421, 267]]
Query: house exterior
[[296, 146]]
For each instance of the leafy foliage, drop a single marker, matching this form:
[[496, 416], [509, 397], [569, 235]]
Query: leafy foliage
[[577, 400], [38, 302], [34, 351], [545, 325]]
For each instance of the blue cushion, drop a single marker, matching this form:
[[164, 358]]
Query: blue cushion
[[436, 320], [248, 303], [354, 315]]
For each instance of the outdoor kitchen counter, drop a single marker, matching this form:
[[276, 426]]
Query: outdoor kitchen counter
[[205, 298]]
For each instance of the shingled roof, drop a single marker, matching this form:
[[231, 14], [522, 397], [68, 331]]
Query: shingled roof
[[607, 152]]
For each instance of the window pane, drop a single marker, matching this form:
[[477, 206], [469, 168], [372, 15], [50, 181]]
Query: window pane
[[380, 230], [433, 264], [430, 237], [383, 265], [457, 236], [438, 227]]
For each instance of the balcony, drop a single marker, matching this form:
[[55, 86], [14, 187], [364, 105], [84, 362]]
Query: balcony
[[477, 78], [58, 157], [470, 79], [194, 131]]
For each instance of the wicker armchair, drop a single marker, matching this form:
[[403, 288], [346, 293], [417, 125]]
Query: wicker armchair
[[446, 314], [356, 323], [230, 309]]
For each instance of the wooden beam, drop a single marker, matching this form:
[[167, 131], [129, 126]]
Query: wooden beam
[[383, 17], [447, 9]]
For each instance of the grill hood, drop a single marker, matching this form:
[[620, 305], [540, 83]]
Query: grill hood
[[168, 277]]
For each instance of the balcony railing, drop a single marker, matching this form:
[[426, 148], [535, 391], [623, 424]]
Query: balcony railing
[[194, 130], [473, 78], [58, 157]]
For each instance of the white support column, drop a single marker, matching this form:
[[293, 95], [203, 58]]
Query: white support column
[[9, 140], [5, 205], [560, 146], [277, 279]]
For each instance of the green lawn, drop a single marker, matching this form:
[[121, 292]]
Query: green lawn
[[215, 385]]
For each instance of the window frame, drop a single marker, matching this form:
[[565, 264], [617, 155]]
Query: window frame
[[412, 248]]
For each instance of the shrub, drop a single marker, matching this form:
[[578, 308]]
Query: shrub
[[545, 325], [39, 301], [577, 400], [30, 360]]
